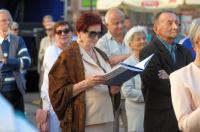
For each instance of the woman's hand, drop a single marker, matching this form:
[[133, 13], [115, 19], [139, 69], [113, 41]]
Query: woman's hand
[[115, 89], [88, 83], [94, 80], [162, 74]]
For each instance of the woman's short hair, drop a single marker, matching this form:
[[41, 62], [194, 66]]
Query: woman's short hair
[[62, 23], [130, 34], [194, 31], [86, 20]]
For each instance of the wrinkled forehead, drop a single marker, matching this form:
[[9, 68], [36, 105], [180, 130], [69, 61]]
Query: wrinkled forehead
[[116, 17], [167, 16]]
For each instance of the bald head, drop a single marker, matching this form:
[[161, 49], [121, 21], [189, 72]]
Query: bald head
[[112, 13], [114, 20]]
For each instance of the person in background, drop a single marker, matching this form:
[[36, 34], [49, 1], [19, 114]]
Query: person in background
[[14, 28], [63, 33], [127, 23], [135, 38], [186, 42], [112, 44], [12, 121], [76, 90], [185, 88], [45, 42], [14, 59], [168, 56], [39, 34]]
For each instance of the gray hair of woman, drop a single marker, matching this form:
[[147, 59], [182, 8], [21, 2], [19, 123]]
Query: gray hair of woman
[[130, 34], [194, 31]]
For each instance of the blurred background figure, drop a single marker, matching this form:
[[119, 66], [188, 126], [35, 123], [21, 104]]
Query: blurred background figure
[[45, 42], [127, 23], [185, 88], [14, 28], [42, 33], [135, 39], [11, 121], [46, 19]]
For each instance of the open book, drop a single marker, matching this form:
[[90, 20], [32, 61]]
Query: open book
[[123, 72]]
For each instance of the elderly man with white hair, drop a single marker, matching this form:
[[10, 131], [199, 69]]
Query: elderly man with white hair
[[135, 38], [14, 60]]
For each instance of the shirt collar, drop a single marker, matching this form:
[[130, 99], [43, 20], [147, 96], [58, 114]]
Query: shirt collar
[[1, 38], [108, 35], [166, 44]]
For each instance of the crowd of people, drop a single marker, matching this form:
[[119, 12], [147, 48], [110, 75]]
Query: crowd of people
[[72, 62]]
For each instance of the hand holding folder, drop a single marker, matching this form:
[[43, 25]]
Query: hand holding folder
[[123, 72]]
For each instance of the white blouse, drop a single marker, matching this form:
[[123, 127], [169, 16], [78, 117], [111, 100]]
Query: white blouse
[[185, 92], [51, 55]]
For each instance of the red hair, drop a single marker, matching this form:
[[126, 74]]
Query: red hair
[[86, 20]]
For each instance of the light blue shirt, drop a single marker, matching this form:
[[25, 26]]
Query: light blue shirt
[[111, 47]]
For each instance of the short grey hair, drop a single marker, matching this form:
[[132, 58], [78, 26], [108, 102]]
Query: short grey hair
[[110, 12], [14, 25], [130, 34], [2, 11], [194, 31]]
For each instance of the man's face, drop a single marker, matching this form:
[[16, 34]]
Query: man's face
[[5, 21], [128, 24], [115, 24], [167, 26]]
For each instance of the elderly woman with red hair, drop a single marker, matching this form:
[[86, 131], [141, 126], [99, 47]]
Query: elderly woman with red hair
[[78, 96]]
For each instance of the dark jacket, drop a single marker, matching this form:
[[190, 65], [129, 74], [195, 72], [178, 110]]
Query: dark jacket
[[159, 114]]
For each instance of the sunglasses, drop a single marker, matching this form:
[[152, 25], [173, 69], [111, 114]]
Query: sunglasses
[[15, 29], [93, 34], [65, 31]]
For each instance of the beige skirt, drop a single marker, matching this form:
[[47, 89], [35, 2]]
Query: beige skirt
[[104, 127]]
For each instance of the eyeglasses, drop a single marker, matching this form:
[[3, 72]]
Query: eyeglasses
[[65, 31], [93, 34], [15, 29]]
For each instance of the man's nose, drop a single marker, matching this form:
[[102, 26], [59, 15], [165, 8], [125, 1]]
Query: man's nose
[[175, 25]]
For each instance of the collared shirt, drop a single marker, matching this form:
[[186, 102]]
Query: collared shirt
[[170, 47], [111, 47]]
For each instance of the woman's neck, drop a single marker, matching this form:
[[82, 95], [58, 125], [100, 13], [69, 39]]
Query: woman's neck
[[63, 46], [136, 54]]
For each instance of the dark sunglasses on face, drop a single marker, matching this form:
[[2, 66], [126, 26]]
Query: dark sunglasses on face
[[65, 31], [93, 34], [15, 29]]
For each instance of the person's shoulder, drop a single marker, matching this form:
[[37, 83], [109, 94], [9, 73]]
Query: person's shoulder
[[103, 39]]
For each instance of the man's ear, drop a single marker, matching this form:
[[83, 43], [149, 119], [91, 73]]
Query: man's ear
[[155, 28]]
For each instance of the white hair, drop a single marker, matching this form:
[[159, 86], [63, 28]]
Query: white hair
[[194, 32], [7, 12], [111, 12], [129, 35]]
